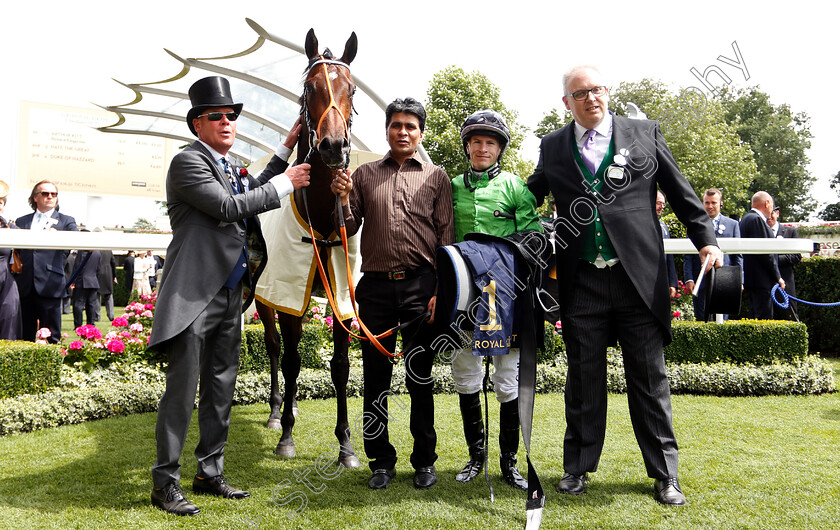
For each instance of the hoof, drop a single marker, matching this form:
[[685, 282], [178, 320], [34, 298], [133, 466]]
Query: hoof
[[286, 451], [274, 424], [349, 461]]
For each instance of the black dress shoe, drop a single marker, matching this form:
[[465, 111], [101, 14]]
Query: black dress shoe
[[170, 499], [668, 492], [425, 477], [381, 478], [573, 484], [217, 486]]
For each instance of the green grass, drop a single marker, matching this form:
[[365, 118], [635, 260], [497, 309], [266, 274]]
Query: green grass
[[768, 462]]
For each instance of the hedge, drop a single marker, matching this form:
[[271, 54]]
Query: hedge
[[26, 367], [738, 342], [818, 280], [119, 391]]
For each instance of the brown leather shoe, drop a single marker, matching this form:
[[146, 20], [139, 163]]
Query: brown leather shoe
[[668, 492], [573, 484], [217, 486], [170, 499]]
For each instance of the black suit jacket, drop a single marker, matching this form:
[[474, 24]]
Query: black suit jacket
[[107, 272], [760, 270], [626, 206], [787, 261], [86, 270], [43, 270]]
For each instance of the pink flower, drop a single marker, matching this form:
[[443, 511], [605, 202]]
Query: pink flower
[[137, 326], [256, 316], [40, 341], [77, 345], [125, 333], [98, 345], [676, 314], [147, 314], [111, 335], [120, 322], [43, 333], [558, 325], [116, 346], [316, 310], [149, 306]]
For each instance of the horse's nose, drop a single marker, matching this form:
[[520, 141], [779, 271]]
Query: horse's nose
[[333, 151]]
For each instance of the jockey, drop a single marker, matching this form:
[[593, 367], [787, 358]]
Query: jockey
[[480, 195]]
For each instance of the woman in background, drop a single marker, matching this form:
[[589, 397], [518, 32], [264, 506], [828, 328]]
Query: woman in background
[[10, 321]]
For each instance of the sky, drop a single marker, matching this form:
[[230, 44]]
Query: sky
[[68, 53]]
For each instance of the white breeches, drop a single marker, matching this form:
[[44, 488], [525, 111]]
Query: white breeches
[[468, 373]]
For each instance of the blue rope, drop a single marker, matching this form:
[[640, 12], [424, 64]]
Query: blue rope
[[786, 298]]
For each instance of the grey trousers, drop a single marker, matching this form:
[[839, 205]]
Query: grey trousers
[[206, 351]]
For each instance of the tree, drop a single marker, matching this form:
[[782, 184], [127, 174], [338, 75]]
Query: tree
[[707, 149], [831, 212], [143, 224], [552, 121], [452, 96], [779, 140]]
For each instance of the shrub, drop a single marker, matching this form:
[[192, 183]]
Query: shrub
[[129, 389], [27, 367], [738, 342], [818, 280]]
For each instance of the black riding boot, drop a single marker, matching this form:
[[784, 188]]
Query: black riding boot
[[474, 433], [509, 444]]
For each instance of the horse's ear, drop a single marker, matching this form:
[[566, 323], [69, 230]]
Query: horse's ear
[[311, 45], [350, 49]]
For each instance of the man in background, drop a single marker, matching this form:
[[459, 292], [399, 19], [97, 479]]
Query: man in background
[[786, 264], [41, 282], [761, 271], [724, 227]]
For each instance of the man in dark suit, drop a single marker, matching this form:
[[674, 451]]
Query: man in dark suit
[[603, 171], [41, 281], [128, 268], [107, 279], [786, 264], [212, 262], [761, 271], [673, 281], [85, 278], [724, 227]]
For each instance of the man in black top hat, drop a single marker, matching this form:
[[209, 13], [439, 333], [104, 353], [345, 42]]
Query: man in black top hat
[[212, 263]]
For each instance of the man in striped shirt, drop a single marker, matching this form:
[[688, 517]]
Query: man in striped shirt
[[406, 206]]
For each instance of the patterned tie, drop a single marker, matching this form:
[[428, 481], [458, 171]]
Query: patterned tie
[[588, 152], [716, 223], [229, 173]]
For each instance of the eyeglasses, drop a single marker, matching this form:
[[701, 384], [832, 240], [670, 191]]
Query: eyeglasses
[[580, 95], [48, 193], [216, 116]]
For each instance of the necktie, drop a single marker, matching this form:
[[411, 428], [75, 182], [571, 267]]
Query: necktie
[[588, 152], [229, 173], [716, 223]]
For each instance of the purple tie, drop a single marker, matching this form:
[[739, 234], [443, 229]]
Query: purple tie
[[588, 152]]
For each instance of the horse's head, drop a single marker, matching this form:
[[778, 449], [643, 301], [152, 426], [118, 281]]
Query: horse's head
[[327, 101]]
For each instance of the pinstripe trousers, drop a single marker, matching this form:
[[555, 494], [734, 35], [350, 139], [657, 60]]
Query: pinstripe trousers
[[604, 305]]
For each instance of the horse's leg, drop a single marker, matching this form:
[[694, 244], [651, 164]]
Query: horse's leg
[[340, 372], [272, 348], [291, 328]]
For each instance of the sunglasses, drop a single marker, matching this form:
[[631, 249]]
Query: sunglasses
[[48, 193], [216, 116]]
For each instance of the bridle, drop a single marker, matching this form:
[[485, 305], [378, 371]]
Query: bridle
[[313, 142], [307, 115]]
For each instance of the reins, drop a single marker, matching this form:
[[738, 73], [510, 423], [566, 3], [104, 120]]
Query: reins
[[313, 141]]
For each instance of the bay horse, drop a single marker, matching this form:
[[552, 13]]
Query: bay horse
[[324, 142]]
